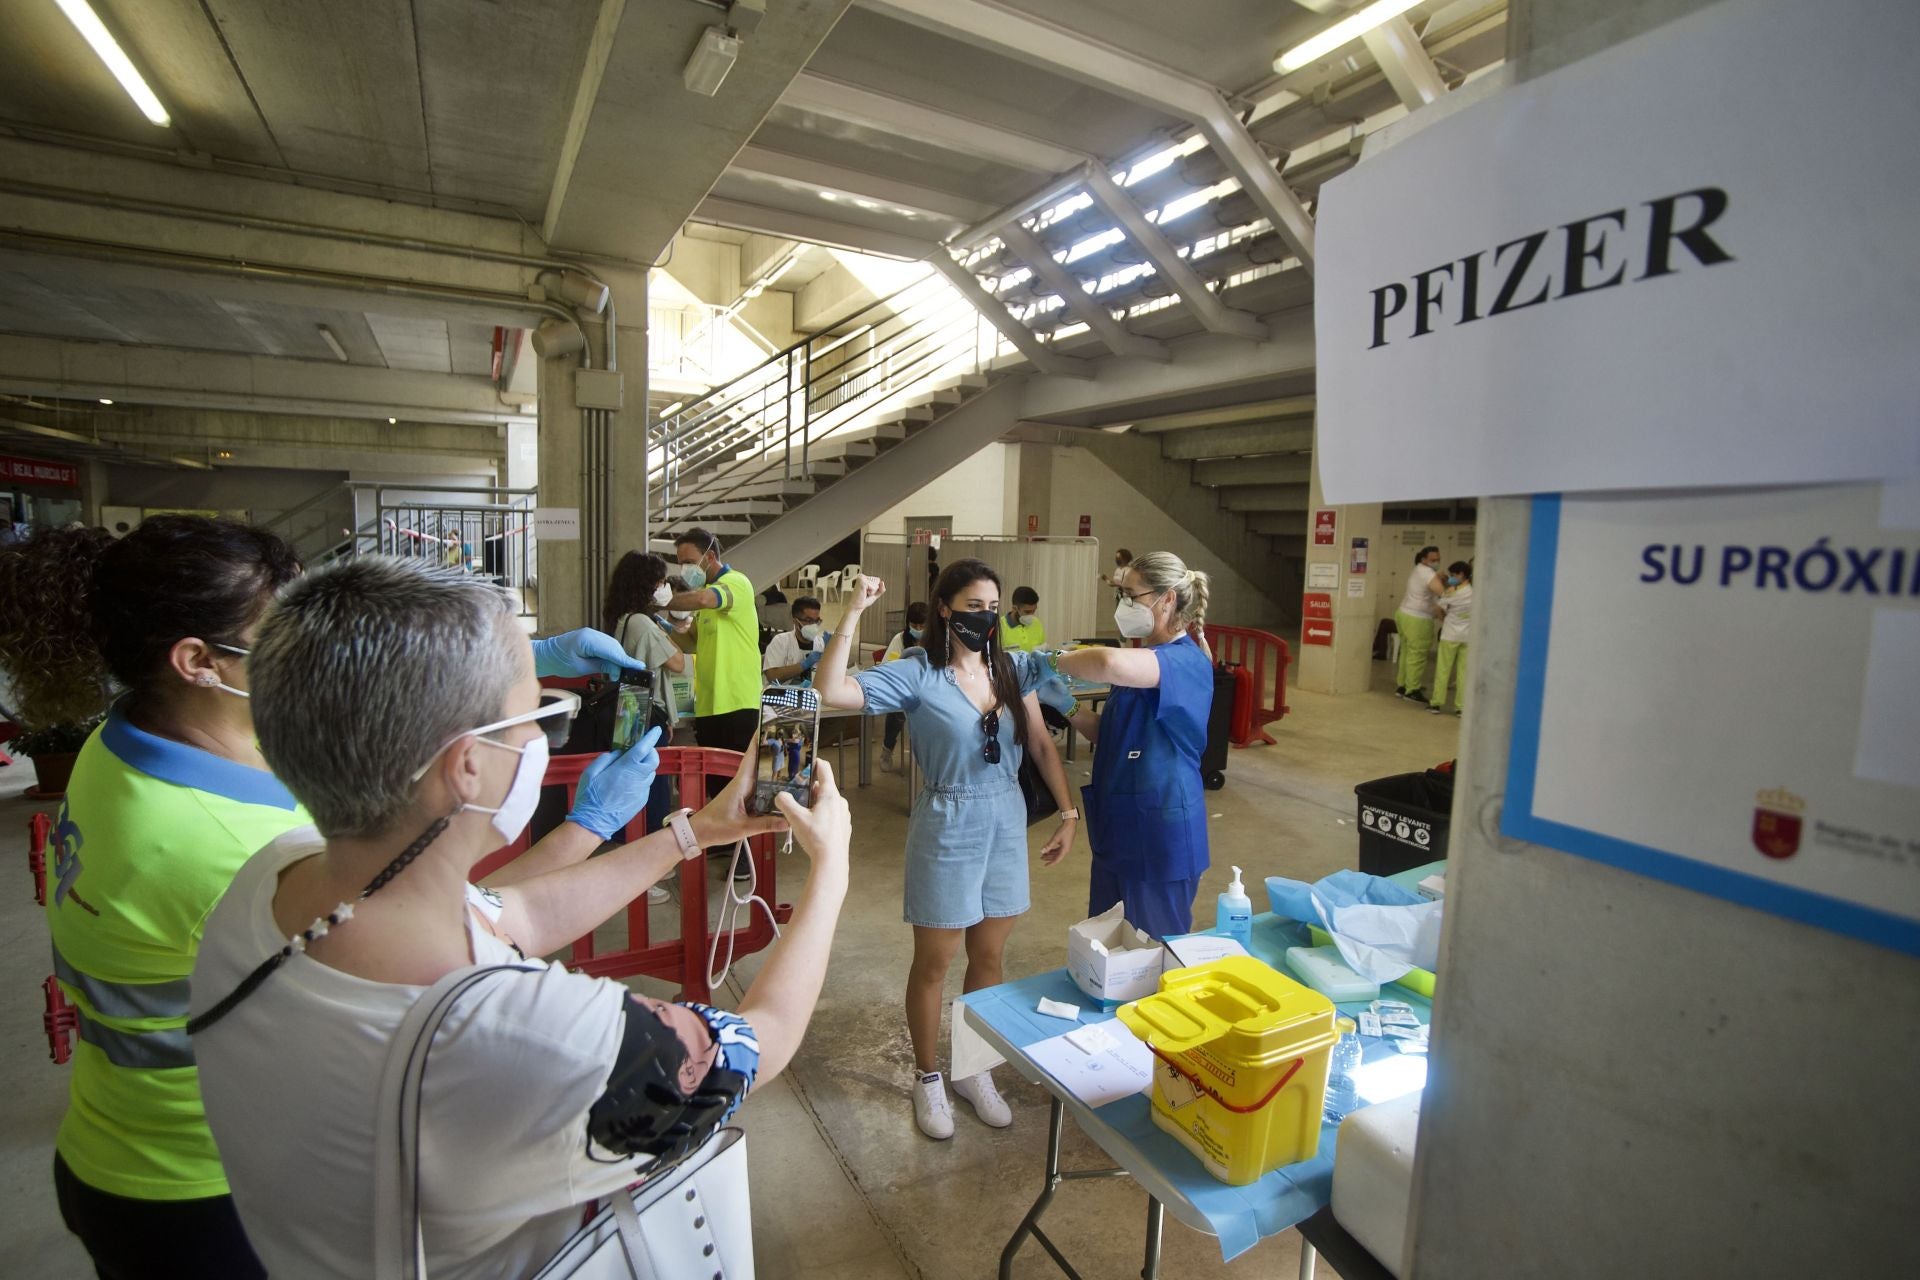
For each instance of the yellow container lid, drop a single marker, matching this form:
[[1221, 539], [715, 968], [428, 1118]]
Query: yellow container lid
[[1235, 996]]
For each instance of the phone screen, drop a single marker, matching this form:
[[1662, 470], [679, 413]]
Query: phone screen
[[789, 733], [630, 711]]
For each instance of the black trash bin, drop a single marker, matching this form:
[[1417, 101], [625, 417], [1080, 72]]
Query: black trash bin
[[1403, 821]]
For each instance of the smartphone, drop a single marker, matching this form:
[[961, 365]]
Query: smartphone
[[789, 732], [630, 710]]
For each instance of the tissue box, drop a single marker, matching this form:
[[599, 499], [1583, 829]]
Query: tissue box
[[1433, 888], [1111, 960]]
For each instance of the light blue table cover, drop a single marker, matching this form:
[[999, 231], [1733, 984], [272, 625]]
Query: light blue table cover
[[1239, 1217]]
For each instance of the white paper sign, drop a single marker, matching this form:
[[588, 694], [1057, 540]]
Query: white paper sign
[[1649, 269], [1356, 587], [1323, 577], [1722, 690], [556, 524]]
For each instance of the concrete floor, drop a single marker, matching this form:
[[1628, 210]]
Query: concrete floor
[[843, 1184]]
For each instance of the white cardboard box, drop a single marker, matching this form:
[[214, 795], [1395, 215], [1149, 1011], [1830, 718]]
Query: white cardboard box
[[1111, 960]]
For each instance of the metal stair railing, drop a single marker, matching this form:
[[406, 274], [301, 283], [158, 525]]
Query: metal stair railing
[[818, 387], [486, 530]]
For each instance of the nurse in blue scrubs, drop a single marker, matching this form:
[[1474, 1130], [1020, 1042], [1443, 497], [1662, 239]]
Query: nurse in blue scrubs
[[1145, 808]]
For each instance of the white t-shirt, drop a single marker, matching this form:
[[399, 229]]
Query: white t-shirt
[[291, 1079], [1419, 600], [1459, 619], [784, 650]]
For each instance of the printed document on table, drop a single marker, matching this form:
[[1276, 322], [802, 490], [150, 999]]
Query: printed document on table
[[1098, 1068]]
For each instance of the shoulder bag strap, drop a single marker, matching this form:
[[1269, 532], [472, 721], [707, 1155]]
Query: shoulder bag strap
[[399, 1253]]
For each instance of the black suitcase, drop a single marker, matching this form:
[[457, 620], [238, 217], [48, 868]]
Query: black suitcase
[[1213, 761]]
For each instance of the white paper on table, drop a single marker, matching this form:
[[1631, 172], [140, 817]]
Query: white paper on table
[[1201, 948], [1121, 1069], [971, 1053], [1383, 943]]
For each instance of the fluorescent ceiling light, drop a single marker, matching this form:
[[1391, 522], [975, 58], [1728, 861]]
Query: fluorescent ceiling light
[[393, 422], [712, 58], [104, 400], [1349, 28], [95, 33], [333, 343]]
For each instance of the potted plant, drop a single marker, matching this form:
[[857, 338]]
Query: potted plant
[[56, 687]]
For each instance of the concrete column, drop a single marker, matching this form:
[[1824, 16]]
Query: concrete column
[[1629, 1077], [628, 442], [1345, 666], [1030, 487], [561, 562]]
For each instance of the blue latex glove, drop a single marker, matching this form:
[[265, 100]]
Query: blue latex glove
[[1053, 692], [615, 787], [585, 652], [808, 663]]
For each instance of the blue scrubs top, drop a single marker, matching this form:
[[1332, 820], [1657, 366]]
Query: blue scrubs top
[[1146, 809]]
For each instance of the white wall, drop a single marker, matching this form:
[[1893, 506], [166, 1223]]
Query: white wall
[[1391, 557], [973, 493], [1122, 517]]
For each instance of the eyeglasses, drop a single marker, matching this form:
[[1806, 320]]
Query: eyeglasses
[[555, 714], [1121, 593], [990, 724]]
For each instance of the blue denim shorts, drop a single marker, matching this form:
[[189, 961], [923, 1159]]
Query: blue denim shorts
[[966, 855]]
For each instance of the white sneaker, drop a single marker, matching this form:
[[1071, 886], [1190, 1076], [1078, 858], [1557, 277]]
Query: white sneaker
[[658, 896], [931, 1110], [887, 764], [987, 1103]]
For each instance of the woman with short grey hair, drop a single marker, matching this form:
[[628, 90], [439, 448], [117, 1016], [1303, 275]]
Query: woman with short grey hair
[[399, 703]]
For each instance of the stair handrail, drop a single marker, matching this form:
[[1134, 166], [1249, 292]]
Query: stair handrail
[[659, 434], [705, 445], [929, 333]]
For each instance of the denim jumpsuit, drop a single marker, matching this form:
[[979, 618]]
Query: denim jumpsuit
[[967, 839]]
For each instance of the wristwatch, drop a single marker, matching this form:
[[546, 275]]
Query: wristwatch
[[1069, 813], [683, 832]]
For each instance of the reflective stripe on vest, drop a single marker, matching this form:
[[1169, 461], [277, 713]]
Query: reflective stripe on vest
[[140, 1050], [129, 1000]]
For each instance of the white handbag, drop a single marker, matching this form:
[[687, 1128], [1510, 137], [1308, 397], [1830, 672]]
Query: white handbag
[[687, 1221]]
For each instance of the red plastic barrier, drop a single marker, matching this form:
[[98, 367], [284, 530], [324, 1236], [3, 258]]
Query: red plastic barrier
[[1267, 657], [39, 827], [682, 959]]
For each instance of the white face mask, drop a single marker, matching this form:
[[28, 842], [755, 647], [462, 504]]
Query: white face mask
[[662, 596], [1134, 619], [810, 632], [523, 793]]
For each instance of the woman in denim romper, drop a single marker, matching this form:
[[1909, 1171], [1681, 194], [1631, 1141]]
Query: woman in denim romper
[[972, 713]]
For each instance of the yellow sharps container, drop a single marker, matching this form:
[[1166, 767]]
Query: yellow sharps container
[[1240, 1064]]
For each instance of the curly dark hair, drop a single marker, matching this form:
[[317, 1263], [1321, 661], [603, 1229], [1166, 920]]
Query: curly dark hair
[[46, 645], [630, 589], [178, 576]]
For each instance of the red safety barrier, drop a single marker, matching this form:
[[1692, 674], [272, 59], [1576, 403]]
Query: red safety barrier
[[1267, 657], [682, 959], [61, 1021], [39, 827]]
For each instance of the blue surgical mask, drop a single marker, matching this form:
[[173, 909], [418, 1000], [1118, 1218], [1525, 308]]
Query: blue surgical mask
[[913, 633], [694, 576]]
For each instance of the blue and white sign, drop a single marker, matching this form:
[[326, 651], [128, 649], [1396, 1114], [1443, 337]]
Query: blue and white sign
[[1722, 690]]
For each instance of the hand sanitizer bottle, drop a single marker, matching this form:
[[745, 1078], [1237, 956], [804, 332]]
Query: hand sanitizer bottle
[[1233, 918]]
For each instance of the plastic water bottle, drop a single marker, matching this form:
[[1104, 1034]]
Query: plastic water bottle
[[1233, 916], [1342, 1096]]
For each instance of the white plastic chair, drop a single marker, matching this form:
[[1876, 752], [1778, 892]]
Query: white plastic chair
[[807, 578], [830, 587]]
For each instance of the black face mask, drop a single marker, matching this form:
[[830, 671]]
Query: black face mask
[[974, 629]]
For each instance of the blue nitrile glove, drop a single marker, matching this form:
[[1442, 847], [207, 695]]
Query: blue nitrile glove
[[614, 788], [585, 652], [808, 663], [1053, 692]]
